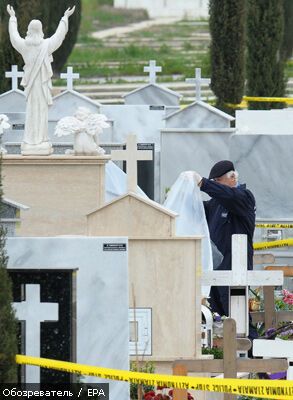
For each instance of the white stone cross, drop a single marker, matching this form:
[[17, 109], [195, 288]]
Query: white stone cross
[[238, 279], [14, 74], [33, 312], [131, 155], [198, 80], [152, 68], [69, 76]]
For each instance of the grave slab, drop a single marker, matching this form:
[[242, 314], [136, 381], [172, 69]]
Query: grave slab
[[101, 294]]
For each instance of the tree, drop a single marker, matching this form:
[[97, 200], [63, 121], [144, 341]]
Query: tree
[[227, 28], [287, 45], [50, 13], [265, 66], [8, 324], [56, 12]]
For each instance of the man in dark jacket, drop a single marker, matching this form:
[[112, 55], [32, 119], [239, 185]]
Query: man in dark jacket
[[231, 210]]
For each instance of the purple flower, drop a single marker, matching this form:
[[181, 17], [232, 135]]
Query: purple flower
[[270, 332], [217, 318], [289, 332]]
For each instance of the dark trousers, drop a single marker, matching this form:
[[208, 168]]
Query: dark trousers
[[219, 301]]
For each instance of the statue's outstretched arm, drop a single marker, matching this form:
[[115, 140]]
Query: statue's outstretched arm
[[16, 41], [58, 37], [10, 10]]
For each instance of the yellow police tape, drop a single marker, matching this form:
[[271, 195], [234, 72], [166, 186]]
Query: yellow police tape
[[267, 389], [246, 99], [274, 243], [274, 225], [288, 100]]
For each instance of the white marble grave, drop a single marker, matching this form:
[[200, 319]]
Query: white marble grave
[[265, 163], [102, 295], [265, 122]]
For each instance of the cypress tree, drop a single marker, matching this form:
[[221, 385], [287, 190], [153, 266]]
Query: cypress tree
[[287, 45], [8, 56], [265, 66], [56, 12], [227, 28], [8, 325]]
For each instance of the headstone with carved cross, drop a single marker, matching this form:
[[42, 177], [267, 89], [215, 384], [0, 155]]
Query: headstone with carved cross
[[69, 76], [131, 155], [238, 279]]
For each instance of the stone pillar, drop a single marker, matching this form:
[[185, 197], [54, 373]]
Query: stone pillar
[[59, 189]]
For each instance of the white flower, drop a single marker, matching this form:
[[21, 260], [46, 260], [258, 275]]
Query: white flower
[[4, 123]]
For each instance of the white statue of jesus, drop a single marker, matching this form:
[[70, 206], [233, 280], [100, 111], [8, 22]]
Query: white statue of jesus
[[37, 55]]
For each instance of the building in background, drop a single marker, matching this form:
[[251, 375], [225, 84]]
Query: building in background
[[169, 8]]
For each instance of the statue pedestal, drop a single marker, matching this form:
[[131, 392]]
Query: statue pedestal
[[42, 149], [59, 189]]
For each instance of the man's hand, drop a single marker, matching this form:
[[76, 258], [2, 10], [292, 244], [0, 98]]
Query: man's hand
[[10, 10], [69, 12], [197, 178]]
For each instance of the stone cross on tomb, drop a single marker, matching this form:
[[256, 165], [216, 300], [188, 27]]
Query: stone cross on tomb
[[152, 68], [198, 80], [33, 312], [14, 74], [69, 76], [238, 279], [131, 155]]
